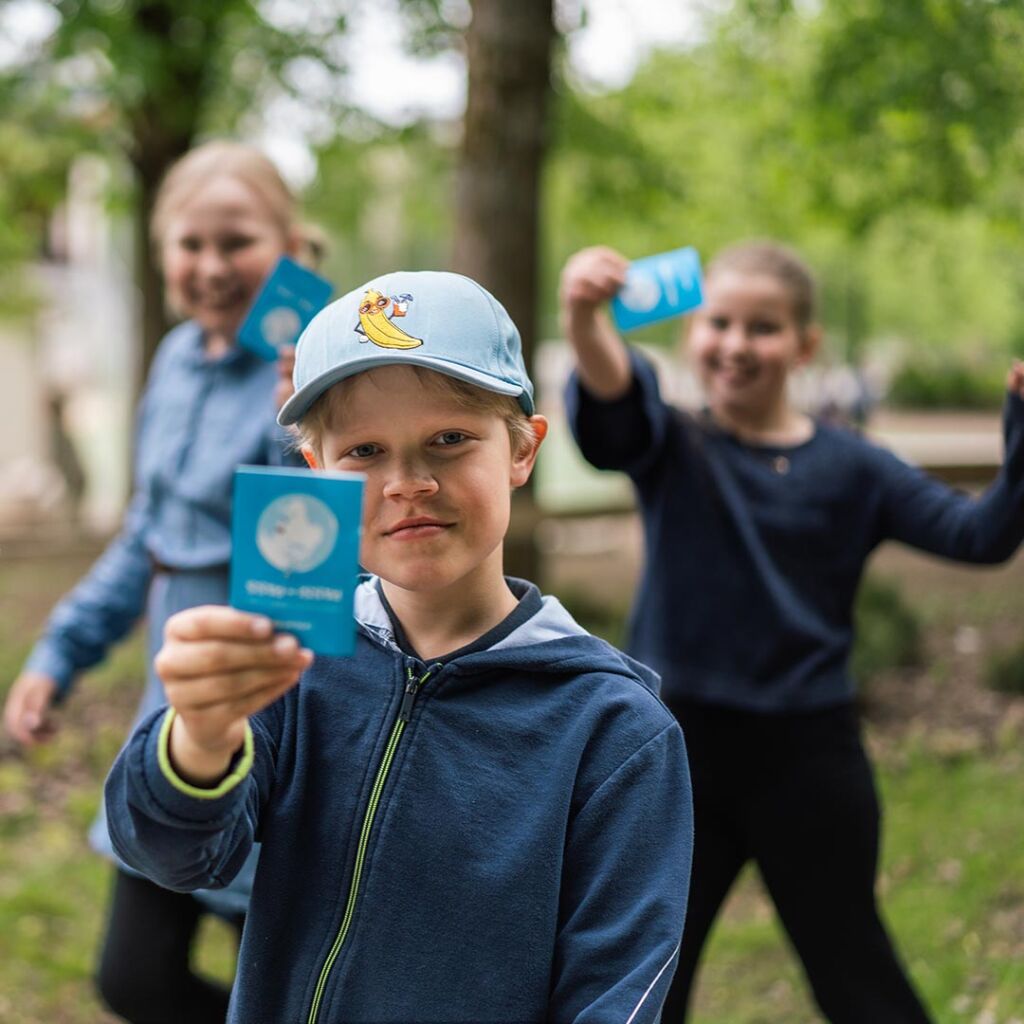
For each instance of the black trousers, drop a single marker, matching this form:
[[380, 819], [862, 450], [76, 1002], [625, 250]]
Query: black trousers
[[145, 974], [794, 793]]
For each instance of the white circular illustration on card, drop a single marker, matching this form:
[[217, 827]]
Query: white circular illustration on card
[[280, 326], [641, 292], [296, 533]]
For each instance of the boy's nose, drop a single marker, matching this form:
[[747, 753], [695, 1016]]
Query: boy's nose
[[734, 339], [410, 479], [213, 262]]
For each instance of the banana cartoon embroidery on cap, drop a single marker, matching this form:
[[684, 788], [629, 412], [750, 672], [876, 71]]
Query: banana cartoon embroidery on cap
[[377, 323]]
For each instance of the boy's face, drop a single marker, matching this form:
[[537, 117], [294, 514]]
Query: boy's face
[[438, 480], [216, 252], [745, 341]]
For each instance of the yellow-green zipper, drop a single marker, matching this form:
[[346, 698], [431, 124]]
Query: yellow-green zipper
[[404, 712]]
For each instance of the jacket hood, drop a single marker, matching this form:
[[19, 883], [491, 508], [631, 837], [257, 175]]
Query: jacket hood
[[549, 641]]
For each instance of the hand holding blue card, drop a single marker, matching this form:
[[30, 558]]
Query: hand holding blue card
[[659, 287], [295, 552], [290, 297]]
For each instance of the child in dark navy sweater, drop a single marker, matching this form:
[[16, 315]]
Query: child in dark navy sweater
[[484, 814], [758, 523]]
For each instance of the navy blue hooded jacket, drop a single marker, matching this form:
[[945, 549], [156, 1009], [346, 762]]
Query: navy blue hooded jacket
[[500, 837]]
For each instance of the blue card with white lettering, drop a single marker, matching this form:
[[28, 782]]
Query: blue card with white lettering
[[295, 551], [290, 297], [659, 287]]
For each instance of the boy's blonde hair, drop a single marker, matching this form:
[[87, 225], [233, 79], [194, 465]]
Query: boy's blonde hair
[[228, 159], [772, 259], [326, 410]]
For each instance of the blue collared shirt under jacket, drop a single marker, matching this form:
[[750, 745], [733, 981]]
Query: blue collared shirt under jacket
[[502, 837], [754, 554], [199, 418]]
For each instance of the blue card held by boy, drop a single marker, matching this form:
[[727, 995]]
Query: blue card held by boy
[[290, 297], [659, 287], [295, 552]]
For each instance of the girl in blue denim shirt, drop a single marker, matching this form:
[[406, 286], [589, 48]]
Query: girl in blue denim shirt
[[222, 219]]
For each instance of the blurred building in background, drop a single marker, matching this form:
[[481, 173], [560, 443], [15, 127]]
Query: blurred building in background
[[66, 373]]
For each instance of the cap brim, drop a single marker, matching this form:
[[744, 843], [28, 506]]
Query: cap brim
[[298, 405]]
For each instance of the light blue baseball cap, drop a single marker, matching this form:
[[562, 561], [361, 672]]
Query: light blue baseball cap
[[430, 318]]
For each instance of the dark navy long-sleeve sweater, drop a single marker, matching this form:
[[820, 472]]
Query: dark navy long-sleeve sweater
[[754, 554]]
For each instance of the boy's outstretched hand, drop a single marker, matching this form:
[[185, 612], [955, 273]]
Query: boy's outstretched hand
[[590, 277], [1015, 379], [218, 667], [27, 711]]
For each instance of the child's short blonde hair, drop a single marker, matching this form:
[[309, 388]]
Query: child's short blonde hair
[[772, 259], [247, 164], [329, 408]]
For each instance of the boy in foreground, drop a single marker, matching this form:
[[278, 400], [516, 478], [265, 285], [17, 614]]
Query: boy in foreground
[[484, 814]]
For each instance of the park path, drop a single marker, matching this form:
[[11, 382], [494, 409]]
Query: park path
[[941, 438]]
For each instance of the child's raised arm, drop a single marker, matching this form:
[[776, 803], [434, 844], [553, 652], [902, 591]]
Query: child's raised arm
[[218, 667], [1015, 379], [925, 513], [589, 279]]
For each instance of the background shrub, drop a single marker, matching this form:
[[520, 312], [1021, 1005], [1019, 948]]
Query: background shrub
[[887, 633], [1004, 670], [947, 385]]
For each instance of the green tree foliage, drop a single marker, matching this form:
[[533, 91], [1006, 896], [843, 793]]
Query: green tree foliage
[[145, 77], [923, 93], [383, 195], [880, 137]]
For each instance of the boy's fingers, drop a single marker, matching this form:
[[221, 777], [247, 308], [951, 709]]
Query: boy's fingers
[[202, 659], [594, 290], [216, 721], [217, 621], [257, 702], [228, 690], [594, 276]]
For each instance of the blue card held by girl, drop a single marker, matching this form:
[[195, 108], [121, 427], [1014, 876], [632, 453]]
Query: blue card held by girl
[[659, 287], [290, 297], [295, 552]]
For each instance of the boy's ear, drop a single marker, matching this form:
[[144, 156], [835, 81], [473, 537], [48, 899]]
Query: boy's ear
[[294, 244], [307, 454], [524, 459], [810, 342]]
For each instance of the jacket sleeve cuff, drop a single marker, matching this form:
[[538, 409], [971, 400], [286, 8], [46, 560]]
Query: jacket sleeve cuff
[[173, 791], [50, 662]]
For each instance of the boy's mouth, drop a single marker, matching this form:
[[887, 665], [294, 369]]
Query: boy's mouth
[[416, 526], [734, 373], [219, 303]]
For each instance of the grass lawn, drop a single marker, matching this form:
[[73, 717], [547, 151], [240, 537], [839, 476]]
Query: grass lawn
[[950, 759]]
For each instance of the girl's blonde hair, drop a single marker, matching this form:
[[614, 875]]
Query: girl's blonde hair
[[330, 406], [772, 259], [247, 164]]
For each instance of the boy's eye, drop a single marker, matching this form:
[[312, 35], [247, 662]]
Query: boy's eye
[[190, 244], [450, 437], [235, 242], [362, 451], [764, 327], [720, 323]]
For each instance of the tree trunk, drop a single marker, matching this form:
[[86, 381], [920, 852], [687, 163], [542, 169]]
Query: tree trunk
[[153, 318], [163, 123], [509, 45]]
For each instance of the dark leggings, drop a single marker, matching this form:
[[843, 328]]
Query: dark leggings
[[145, 975], [794, 793]]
